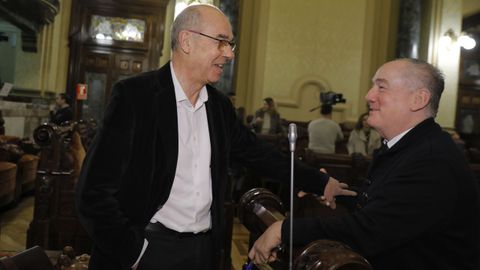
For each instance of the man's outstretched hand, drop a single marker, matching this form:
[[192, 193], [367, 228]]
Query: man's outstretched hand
[[335, 188]]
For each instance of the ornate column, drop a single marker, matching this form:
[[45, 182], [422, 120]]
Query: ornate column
[[225, 84]]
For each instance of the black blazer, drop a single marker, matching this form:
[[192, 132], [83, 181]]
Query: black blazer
[[421, 211], [130, 167]]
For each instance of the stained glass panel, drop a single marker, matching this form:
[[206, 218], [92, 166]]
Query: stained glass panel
[[104, 28]]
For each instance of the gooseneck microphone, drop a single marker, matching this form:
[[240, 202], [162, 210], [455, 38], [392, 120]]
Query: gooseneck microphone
[[292, 136], [292, 139]]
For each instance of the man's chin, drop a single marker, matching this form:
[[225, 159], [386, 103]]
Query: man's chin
[[214, 78], [372, 123]]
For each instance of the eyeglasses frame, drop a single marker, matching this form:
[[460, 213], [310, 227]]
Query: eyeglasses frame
[[221, 42]]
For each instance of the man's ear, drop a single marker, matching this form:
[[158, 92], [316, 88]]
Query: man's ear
[[184, 41], [421, 98]]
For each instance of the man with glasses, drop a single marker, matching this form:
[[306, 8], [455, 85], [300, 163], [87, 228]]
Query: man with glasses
[[153, 185]]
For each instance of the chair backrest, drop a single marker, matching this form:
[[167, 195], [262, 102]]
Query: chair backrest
[[33, 258], [346, 168]]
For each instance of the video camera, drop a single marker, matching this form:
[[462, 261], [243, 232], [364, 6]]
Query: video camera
[[331, 98]]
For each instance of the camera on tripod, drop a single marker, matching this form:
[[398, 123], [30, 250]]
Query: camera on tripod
[[328, 99], [331, 98]]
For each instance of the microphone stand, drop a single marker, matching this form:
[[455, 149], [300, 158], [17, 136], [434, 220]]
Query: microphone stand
[[292, 138]]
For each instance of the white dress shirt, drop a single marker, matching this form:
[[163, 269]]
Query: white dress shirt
[[188, 206]]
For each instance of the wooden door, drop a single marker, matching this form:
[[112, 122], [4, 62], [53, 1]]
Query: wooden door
[[111, 40]]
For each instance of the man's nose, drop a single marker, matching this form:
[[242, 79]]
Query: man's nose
[[228, 52], [369, 95]]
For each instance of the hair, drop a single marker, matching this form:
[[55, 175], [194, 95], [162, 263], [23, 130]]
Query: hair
[[270, 103], [189, 18], [65, 97], [359, 124], [429, 77], [326, 109]]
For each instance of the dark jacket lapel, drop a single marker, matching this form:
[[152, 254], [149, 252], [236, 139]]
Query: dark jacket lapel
[[166, 142]]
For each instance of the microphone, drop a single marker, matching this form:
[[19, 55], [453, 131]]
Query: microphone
[[292, 136]]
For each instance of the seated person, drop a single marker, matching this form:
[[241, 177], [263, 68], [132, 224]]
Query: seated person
[[267, 119], [323, 133], [421, 208], [363, 139], [62, 111]]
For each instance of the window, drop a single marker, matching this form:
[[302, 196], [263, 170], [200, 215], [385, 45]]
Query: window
[[104, 28]]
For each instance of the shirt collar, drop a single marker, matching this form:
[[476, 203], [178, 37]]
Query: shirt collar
[[180, 94], [394, 140]]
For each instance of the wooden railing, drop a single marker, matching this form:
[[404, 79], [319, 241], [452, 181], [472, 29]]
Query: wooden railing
[[259, 208]]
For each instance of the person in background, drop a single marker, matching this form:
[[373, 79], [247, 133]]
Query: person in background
[[267, 119], [153, 186], [363, 139], [323, 132], [422, 208], [61, 111]]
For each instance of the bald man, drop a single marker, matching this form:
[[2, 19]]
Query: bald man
[[422, 209]]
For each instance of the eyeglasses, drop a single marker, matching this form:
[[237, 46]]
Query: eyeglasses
[[222, 43]]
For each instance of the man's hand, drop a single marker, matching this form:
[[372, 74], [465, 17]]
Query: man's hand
[[263, 251], [335, 188]]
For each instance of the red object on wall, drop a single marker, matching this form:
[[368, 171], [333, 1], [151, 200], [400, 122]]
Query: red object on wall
[[81, 91]]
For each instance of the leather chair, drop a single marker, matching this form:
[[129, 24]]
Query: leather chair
[[8, 173], [27, 172], [10, 139], [33, 258]]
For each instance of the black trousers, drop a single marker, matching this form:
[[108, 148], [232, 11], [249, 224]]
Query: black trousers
[[171, 250]]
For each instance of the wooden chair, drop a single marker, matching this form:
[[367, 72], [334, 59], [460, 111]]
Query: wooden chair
[[259, 208], [346, 168], [55, 223], [338, 166], [33, 258]]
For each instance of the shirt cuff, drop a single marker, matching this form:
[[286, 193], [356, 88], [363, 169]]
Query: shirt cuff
[[145, 244]]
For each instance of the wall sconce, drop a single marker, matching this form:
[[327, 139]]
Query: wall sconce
[[450, 39]]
